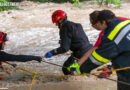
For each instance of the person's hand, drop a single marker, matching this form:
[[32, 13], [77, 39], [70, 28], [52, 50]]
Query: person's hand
[[48, 55], [74, 67], [104, 75], [39, 59]]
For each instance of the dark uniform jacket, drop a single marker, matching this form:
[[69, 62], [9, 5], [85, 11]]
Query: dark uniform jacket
[[72, 37], [21, 58], [115, 47], [115, 42]]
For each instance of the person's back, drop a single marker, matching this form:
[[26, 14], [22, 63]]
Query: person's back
[[79, 42], [121, 37]]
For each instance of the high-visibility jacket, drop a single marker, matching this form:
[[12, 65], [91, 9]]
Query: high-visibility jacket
[[102, 33], [115, 42]]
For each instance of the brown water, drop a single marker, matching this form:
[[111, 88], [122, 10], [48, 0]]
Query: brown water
[[29, 34], [72, 85]]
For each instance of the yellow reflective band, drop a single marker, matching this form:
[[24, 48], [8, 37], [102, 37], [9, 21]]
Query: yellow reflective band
[[100, 58], [76, 66], [117, 29]]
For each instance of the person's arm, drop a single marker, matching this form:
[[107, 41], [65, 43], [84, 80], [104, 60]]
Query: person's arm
[[21, 58], [86, 55], [65, 42]]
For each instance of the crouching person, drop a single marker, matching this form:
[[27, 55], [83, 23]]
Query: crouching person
[[115, 47], [72, 37]]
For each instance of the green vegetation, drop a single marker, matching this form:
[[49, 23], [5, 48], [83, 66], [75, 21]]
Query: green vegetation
[[76, 3], [4, 0], [7, 5], [3, 8], [106, 2]]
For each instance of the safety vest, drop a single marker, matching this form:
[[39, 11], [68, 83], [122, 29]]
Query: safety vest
[[115, 35]]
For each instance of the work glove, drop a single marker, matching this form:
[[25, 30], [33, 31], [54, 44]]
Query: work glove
[[74, 67], [105, 74], [39, 59], [48, 55]]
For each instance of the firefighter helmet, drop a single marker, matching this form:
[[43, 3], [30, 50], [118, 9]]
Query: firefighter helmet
[[57, 15], [3, 37]]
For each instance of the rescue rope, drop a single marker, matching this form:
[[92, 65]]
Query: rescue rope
[[125, 68], [52, 63], [39, 74], [35, 74]]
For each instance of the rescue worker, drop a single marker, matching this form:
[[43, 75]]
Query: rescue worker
[[114, 47], [4, 57], [10, 57], [72, 37], [93, 19]]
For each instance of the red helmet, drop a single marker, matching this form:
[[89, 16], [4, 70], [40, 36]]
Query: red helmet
[[57, 15], [3, 37]]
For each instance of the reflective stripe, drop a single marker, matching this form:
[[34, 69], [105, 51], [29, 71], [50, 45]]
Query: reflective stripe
[[122, 34], [100, 58], [95, 61], [117, 29]]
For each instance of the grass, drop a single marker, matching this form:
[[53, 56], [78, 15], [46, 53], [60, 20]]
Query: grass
[[3, 8]]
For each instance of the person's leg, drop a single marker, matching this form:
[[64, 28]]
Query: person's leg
[[67, 63], [121, 86], [123, 75]]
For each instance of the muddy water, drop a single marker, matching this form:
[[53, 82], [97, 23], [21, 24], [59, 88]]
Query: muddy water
[[31, 32], [73, 85]]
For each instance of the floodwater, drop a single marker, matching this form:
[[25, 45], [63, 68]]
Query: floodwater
[[73, 85], [31, 32]]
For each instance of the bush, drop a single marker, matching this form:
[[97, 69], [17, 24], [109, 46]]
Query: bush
[[3, 8], [7, 5], [4, 0], [115, 2], [76, 3]]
